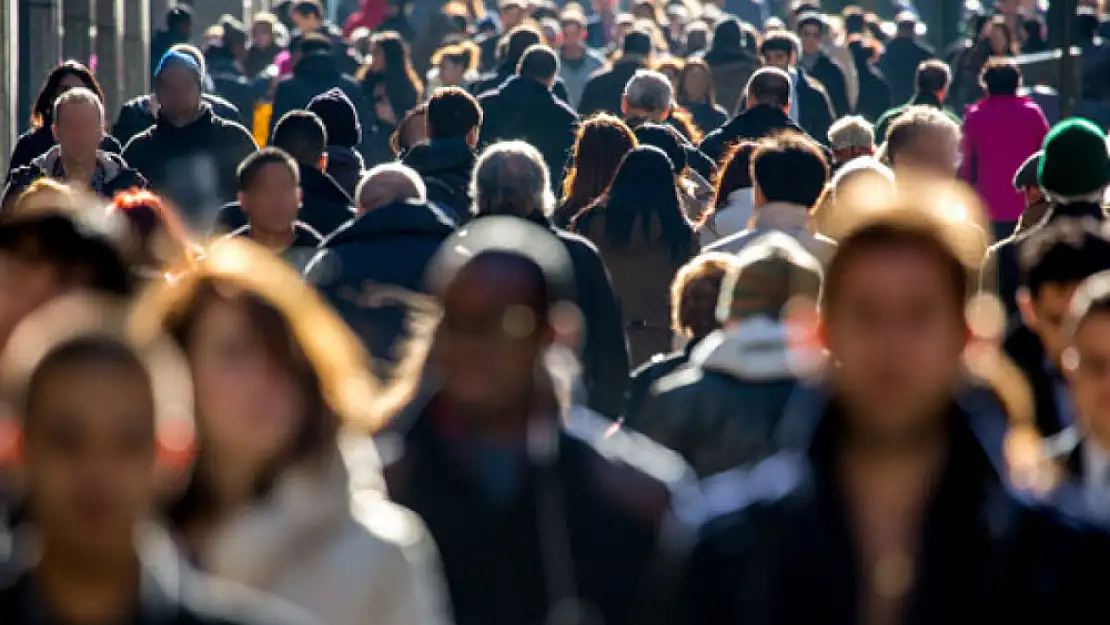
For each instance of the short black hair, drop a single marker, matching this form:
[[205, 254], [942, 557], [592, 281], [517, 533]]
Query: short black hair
[[1064, 251], [932, 77], [76, 251], [906, 24], [539, 62], [855, 22], [302, 135], [452, 113], [1001, 76], [769, 86], [637, 41], [308, 8], [180, 15], [812, 19], [790, 167], [779, 41], [251, 166]]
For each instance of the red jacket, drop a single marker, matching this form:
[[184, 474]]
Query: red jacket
[[371, 14]]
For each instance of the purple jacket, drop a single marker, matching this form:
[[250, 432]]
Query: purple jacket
[[1000, 132]]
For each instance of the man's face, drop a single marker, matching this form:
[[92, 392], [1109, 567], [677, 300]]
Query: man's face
[[1089, 375], [489, 319], [811, 38], [1044, 314], [572, 34], [89, 456], [273, 199], [777, 58], [79, 129], [897, 334], [178, 92], [932, 153]]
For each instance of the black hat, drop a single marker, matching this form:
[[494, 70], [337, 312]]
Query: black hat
[[340, 118], [1026, 175]]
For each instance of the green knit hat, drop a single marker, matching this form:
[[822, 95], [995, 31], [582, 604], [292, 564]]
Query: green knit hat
[[1076, 160]]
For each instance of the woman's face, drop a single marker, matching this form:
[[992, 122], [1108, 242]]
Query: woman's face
[[249, 407], [450, 73], [697, 85], [262, 36]]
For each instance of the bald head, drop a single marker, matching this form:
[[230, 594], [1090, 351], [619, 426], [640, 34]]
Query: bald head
[[387, 184]]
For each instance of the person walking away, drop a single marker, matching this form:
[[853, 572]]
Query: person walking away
[[696, 93], [190, 155], [228, 79], [577, 62], [902, 58], [601, 144], [77, 159], [314, 73], [324, 205], [812, 30], [373, 270], [767, 113], [789, 175], [999, 133], [850, 138], [649, 99], [733, 202], [510, 51], [40, 138], [524, 108], [270, 198], [810, 105], [747, 362], [342, 123], [644, 239], [730, 64], [511, 179], [309, 520], [911, 495], [179, 29], [506, 471], [874, 92], [446, 160], [931, 84], [694, 191], [604, 89], [923, 142]]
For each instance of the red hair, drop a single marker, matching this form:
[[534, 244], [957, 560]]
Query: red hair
[[154, 223]]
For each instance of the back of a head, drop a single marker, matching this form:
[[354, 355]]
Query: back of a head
[[667, 139], [914, 122], [769, 275], [649, 91], [854, 20], [790, 168], [643, 193], [389, 183], [539, 63], [735, 173], [511, 178], [1063, 253], [302, 135], [850, 132], [517, 42], [728, 36], [1001, 76], [770, 86], [695, 291], [932, 77], [637, 43], [340, 117], [452, 114], [179, 17]]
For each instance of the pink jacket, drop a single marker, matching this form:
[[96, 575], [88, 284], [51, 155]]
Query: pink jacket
[[1000, 132]]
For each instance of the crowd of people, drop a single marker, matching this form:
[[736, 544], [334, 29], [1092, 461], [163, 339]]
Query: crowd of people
[[628, 313]]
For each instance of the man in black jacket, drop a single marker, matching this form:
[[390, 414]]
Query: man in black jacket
[[190, 155], [540, 509], [902, 57], [524, 108], [446, 160], [931, 82], [373, 269], [314, 72], [812, 30], [810, 104], [894, 513], [511, 179], [604, 89], [768, 104], [324, 204]]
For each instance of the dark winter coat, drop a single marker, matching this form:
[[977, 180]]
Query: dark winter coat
[[136, 116], [324, 205], [815, 114], [230, 83], [113, 175], [1024, 348], [708, 117], [583, 523], [780, 550], [874, 92], [731, 71], [899, 66], [35, 142], [346, 167], [754, 123], [605, 88], [832, 79], [300, 251], [526, 109], [313, 75], [643, 378], [258, 59], [368, 268], [194, 165], [497, 79], [445, 165]]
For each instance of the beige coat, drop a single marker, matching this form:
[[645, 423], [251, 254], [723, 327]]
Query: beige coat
[[336, 547]]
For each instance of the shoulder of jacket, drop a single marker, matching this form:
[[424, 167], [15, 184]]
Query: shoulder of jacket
[[386, 522], [675, 381], [768, 482], [622, 446]]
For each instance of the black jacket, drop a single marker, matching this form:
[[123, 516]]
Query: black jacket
[[832, 79], [646, 375], [231, 84], [368, 268], [754, 123], [874, 92], [1024, 347], [780, 550], [899, 66], [445, 165], [346, 167], [324, 205], [312, 76], [194, 166], [815, 113], [496, 79], [526, 109], [582, 523], [731, 70], [135, 115], [300, 252], [113, 175], [605, 88], [707, 116], [37, 141]]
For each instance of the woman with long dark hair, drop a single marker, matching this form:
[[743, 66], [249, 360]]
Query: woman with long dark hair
[[275, 502], [40, 138], [735, 196], [644, 238], [695, 93], [391, 66], [602, 142]]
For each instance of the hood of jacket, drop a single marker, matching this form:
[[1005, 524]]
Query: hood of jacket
[[319, 186], [112, 164], [317, 68], [757, 349], [441, 156], [399, 218], [760, 119]]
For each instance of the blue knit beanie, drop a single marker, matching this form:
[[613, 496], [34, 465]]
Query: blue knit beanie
[[174, 58]]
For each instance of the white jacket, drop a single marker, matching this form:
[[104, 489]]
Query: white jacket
[[730, 219], [336, 547]]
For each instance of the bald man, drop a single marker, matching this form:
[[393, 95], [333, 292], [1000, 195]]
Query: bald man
[[372, 270]]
